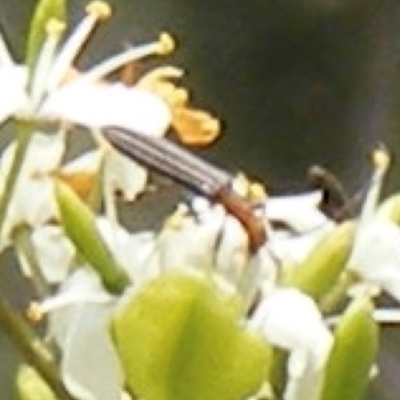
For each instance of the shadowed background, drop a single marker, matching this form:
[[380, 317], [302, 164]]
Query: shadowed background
[[295, 82]]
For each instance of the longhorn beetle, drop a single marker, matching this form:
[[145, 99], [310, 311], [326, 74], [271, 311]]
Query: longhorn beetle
[[191, 171]]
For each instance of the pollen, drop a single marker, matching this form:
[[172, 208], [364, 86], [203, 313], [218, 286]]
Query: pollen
[[99, 9], [166, 44], [55, 27]]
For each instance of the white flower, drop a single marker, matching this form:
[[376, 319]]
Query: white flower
[[33, 201], [290, 320], [201, 238], [79, 317], [376, 253], [83, 99]]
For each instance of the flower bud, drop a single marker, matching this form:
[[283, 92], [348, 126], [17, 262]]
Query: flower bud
[[80, 226], [318, 273], [181, 338], [354, 351], [31, 386]]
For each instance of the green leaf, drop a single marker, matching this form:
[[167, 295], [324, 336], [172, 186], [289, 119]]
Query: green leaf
[[44, 11], [319, 272], [353, 354], [80, 226], [179, 338]]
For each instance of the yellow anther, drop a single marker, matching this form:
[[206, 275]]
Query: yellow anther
[[166, 44], [34, 312], [241, 185], [55, 27], [176, 220], [257, 193], [99, 9], [381, 159]]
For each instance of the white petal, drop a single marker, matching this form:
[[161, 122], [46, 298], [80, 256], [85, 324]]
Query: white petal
[[101, 105], [292, 249], [376, 255], [233, 250], [299, 212], [190, 242], [54, 252], [290, 320], [260, 275], [13, 81], [387, 315], [306, 386], [88, 162], [53, 146], [123, 175], [89, 365], [131, 251], [34, 178], [32, 210], [83, 286]]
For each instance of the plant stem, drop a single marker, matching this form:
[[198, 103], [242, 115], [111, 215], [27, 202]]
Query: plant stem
[[32, 348], [23, 138]]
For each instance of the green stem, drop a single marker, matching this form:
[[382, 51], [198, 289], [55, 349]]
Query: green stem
[[23, 138], [32, 348]]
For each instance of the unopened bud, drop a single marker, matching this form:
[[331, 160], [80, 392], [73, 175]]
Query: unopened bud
[[319, 272], [353, 354]]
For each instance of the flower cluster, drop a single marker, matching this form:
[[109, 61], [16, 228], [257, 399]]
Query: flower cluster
[[194, 309]]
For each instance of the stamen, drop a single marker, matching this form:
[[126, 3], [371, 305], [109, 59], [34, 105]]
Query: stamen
[[257, 193], [163, 46], [35, 312], [381, 161], [97, 11], [54, 29], [166, 44]]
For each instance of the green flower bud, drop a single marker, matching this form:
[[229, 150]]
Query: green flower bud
[[31, 386], [80, 226], [45, 11], [353, 353], [180, 338], [319, 272], [390, 209]]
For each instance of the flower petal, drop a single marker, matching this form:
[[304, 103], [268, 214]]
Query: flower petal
[[376, 255], [13, 81], [54, 252], [299, 212], [290, 320], [101, 105], [90, 367], [124, 176]]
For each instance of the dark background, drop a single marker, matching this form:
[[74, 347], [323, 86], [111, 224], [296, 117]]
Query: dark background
[[296, 82]]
